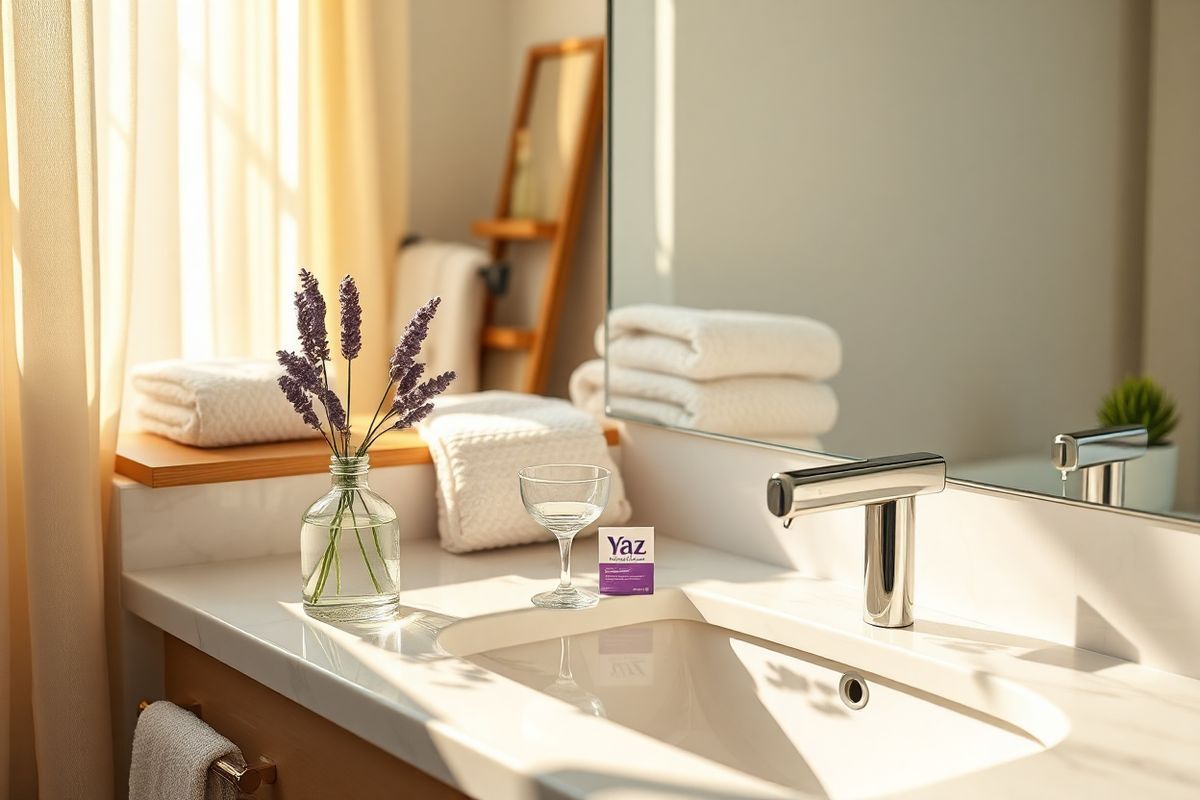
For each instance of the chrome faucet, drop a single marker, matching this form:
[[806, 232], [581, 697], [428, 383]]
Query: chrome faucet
[[886, 486], [1101, 453]]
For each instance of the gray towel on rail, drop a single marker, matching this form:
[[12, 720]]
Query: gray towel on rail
[[172, 750]]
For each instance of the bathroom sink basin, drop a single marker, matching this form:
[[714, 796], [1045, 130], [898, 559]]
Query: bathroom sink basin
[[805, 709]]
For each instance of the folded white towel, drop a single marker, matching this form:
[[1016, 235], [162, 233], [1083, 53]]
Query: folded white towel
[[755, 406], [172, 750], [479, 442], [703, 345], [428, 268], [216, 403]]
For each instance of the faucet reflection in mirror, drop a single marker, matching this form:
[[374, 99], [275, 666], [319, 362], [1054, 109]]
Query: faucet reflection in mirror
[[1101, 454], [350, 541]]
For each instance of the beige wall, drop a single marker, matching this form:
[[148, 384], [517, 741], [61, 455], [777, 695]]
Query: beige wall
[[447, 74], [956, 187]]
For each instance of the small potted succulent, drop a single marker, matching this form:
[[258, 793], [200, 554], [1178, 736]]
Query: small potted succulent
[[1149, 480], [349, 538]]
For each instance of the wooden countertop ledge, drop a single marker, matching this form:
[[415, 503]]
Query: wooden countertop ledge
[[157, 462]]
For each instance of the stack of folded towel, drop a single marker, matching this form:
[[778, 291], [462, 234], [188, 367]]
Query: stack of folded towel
[[215, 403], [480, 441], [741, 373]]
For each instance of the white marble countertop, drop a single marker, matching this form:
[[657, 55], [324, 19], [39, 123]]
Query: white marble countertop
[[1111, 728]]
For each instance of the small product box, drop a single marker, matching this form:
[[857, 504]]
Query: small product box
[[626, 561]]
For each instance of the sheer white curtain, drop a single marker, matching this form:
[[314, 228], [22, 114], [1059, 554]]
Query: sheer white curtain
[[257, 155], [217, 235], [67, 141], [213, 146]]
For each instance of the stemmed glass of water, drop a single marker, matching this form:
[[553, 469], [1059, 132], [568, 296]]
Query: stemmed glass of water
[[564, 499]]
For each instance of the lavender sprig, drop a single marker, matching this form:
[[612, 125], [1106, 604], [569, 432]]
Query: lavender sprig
[[306, 382], [301, 370], [409, 381], [425, 392], [305, 377], [411, 407], [351, 341], [300, 401], [405, 354], [337, 414], [351, 318], [414, 416], [409, 400], [310, 319]]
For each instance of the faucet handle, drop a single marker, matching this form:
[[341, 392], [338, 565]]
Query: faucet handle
[[1072, 451]]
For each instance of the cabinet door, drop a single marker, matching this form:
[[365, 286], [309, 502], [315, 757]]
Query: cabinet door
[[316, 759]]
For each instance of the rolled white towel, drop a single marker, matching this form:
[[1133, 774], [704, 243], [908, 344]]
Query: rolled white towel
[[703, 345], [216, 403], [753, 406], [172, 750], [480, 441]]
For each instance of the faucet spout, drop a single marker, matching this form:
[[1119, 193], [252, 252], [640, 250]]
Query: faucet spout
[[886, 487]]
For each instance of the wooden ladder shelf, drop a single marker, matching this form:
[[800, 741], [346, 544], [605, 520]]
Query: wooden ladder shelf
[[560, 232]]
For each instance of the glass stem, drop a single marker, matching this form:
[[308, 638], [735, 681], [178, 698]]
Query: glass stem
[[564, 554]]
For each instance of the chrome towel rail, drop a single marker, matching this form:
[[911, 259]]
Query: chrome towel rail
[[246, 779]]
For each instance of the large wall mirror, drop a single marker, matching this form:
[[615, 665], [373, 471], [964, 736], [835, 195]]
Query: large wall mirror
[[989, 212]]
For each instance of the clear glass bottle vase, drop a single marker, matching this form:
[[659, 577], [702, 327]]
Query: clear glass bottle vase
[[350, 549]]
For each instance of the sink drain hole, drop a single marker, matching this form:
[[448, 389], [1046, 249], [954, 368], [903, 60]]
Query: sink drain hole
[[853, 690]]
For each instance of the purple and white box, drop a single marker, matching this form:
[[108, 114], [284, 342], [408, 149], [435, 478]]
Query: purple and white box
[[626, 561]]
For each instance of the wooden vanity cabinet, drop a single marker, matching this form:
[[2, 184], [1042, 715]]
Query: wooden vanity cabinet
[[316, 759]]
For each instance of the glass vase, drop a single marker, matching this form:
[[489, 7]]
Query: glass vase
[[350, 549]]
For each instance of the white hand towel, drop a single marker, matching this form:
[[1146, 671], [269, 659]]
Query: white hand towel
[[479, 442], [172, 750], [703, 345], [428, 268], [748, 406], [216, 403]]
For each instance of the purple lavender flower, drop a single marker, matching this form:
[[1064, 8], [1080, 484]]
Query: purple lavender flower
[[414, 416], [310, 319], [306, 377], [409, 381], [300, 400], [425, 392], [333, 407], [301, 371], [406, 352], [351, 318]]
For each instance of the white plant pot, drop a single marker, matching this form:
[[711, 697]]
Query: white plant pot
[[1150, 480]]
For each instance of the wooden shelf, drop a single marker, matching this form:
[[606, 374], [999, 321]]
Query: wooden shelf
[[157, 462], [500, 338], [514, 229]]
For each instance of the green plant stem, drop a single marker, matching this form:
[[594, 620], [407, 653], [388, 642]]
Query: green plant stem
[[374, 529], [371, 428], [330, 557], [332, 434], [337, 567], [361, 548], [382, 430]]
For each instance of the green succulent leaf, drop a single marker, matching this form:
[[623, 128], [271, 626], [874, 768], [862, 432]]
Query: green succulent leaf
[[1140, 401]]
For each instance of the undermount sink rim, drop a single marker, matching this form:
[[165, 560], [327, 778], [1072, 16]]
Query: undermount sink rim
[[1038, 718]]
